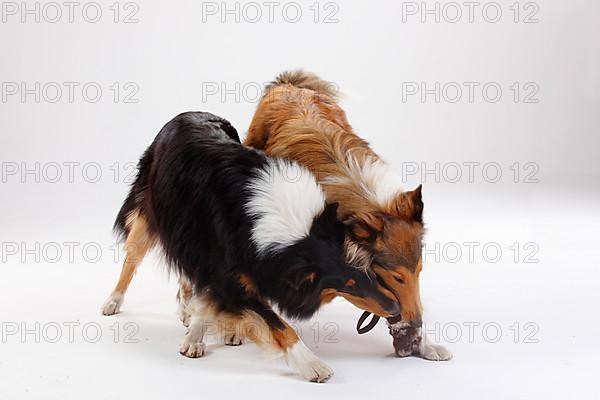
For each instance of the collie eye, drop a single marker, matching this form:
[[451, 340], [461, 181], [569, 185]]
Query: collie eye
[[399, 279]]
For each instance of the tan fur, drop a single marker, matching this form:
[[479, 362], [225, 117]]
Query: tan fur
[[307, 80], [248, 284], [252, 326], [311, 129], [136, 246], [185, 291], [366, 304], [297, 122], [407, 291]]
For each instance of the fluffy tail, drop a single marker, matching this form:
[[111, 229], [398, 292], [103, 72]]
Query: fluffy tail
[[135, 199], [306, 80]]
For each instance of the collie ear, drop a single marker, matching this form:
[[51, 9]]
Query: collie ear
[[328, 217], [330, 211], [327, 225], [408, 205], [303, 280], [364, 227]]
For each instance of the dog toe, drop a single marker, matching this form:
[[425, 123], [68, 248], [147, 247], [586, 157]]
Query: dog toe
[[192, 350], [435, 352], [112, 305], [232, 340]]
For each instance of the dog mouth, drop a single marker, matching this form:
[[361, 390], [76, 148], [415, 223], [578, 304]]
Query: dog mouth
[[407, 337]]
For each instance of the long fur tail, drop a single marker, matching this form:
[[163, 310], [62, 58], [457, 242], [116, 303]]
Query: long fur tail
[[134, 200], [305, 80]]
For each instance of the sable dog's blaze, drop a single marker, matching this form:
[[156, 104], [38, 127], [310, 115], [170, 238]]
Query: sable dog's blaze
[[299, 118]]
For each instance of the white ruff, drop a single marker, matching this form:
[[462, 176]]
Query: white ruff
[[374, 178], [286, 198]]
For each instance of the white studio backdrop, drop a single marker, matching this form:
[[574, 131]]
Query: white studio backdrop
[[493, 106]]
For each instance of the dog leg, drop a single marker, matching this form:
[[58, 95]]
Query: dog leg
[[193, 345], [231, 331], [136, 246], [263, 326], [433, 352], [307, 363], [184, 296]]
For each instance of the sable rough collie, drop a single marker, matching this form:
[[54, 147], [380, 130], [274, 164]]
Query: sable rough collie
[[299, 118], [244, 231]]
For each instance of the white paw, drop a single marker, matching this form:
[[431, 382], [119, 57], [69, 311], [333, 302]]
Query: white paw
[[232, 339], [434, 352], [316, 371], [307, 364], [192, 349], [112, 305]]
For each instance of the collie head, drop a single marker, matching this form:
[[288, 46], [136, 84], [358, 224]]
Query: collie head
[[384, 225], [300, 236], [390, 244]]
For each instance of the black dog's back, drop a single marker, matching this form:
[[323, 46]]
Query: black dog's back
[[198, 190], [196, 121], [190, 124]]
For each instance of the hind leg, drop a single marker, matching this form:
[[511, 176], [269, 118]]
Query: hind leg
[[184, 296], [199, 314], [137, 244], [193, 345]]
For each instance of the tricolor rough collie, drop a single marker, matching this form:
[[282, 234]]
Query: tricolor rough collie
[[243, 231]]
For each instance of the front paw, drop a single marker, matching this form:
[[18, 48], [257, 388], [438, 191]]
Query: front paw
[[112, 305], [316, 371], [193, 349], [307, 364], [434, 352]]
